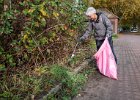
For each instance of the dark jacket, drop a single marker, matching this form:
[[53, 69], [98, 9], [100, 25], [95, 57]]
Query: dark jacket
[[102, 27]]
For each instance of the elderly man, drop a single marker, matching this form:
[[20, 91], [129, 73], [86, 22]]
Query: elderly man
[[102, 28]]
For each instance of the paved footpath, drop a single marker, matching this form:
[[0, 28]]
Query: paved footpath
[[127, 87]]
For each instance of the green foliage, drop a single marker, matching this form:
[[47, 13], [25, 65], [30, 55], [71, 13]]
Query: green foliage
[[74, 60], [92, 44], [24, 85], [71, 82], [59, 72], [31, 28], [32, 33], [126, 10], [115, 36], [2, 67], [1, 7], [41, 80], [7, 18]]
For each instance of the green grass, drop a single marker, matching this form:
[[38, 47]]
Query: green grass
[[115, 36]]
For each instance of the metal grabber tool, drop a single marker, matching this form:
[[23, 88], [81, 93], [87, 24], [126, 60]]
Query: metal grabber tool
[[73, 53]]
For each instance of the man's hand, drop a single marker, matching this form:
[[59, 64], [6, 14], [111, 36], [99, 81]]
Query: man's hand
[[81, 39]]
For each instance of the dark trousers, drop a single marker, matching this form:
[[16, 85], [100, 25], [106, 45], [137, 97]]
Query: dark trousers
[[100, 42]]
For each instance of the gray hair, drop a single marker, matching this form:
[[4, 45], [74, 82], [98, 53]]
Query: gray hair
[[90, 11]]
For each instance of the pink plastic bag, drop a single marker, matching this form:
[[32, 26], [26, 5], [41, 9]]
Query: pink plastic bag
[[105, 60]]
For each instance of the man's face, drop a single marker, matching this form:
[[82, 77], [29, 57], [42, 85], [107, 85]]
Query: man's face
[[92, 16]]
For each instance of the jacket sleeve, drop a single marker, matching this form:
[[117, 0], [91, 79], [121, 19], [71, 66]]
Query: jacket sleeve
[[88, 30], [108, 25]]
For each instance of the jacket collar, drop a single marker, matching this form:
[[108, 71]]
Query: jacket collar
[[98, 17]]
